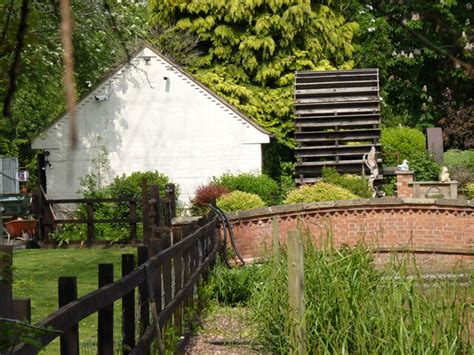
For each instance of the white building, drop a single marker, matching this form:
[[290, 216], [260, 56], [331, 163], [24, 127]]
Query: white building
[[151, 115]]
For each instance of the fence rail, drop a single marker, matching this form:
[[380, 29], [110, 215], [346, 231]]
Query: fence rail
[[159, 211], [182, 264]]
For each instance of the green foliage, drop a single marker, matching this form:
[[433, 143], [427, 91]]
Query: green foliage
[[130, 185], [259, 184], [460, 165], [352, 307], [238, 200], [39, 97], [14, 332], [37, 283], [389, 185], [469, 191], [122, 187], [408, 142], [424, 167], [320, 191], [251, 50], [232, 287], [421, 49], [355, 184]]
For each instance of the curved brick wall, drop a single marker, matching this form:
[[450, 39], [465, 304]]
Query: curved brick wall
[[440, 232]]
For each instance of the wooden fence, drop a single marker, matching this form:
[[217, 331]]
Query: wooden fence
[[166, 282], [160, 211]]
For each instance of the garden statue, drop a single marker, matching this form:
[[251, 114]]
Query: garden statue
[[403, 166], [370, 160], [444, 175]]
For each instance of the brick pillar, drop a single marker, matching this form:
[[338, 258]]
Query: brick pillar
[[404, 187]]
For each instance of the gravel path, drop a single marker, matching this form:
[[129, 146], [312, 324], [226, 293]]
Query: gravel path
[[225, 331]]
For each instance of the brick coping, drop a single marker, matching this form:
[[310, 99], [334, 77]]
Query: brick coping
[[383, 202]]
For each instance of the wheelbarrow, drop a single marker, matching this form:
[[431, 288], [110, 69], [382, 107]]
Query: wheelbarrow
[[21, 229]]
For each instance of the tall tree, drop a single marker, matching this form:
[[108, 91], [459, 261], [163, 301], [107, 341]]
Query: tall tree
[[39, 96], [425, 52]]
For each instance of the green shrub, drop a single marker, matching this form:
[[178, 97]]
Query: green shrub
[[232, 287], [261, 185], [355, 184], [409, 142], [460, 164], [122, 187], [319, 192], [424, 167], [239, 200], [469, 191], [352, 307]]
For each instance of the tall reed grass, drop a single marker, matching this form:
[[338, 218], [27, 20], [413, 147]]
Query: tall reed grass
[[352, 307]]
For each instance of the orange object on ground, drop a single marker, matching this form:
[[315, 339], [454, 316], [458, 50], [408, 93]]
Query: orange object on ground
[[17, 227]]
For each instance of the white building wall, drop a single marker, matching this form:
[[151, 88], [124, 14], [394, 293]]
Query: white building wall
[[180, 130]]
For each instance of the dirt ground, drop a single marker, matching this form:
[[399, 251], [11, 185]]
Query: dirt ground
[[225, 331]]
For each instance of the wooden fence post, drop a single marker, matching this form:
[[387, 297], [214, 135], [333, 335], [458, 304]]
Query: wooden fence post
[[155, 194], [171, 192], [105, 329], [296, 292], [6, 278], [142, 252], [178, 279], [67, 292], [276, 235], [133, 220], [128, 307], [90, 221], [146, 221], [21, 309]]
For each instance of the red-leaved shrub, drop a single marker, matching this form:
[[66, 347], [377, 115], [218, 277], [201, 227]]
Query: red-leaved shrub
[[207, 194]]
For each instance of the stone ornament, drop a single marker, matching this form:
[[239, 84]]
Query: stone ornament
[[370, 160], [403, 166], [444, 175]]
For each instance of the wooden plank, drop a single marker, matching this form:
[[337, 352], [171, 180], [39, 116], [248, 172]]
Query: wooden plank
[[92, 302], [90, 222], [105, 328], [128, 307], [86, 200], [6, 280], [354, 101], [133, 221], [337, 99], [21, 309], [367, 84], [142, 252], [332, 162], [178, 280], [67, 293], [296, 292], [371, 109], [336, 72], [184, 293], [145, 208], [171, 193], [300, 79], [167, 280]]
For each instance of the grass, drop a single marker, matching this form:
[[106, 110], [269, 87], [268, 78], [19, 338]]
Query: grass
[[36, 273], [352, 305]]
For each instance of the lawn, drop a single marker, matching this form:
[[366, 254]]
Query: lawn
[[36, 273]]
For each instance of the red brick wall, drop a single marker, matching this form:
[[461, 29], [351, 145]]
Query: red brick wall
[[440, 229], [404, 187]]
